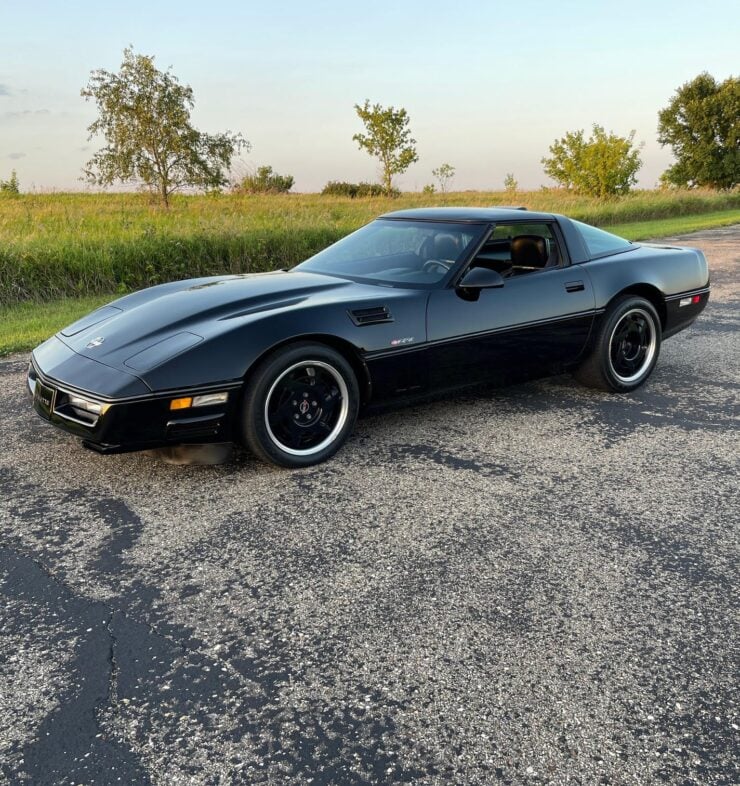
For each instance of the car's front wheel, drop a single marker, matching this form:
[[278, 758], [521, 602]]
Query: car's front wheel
[[626, 348], [300, 405]]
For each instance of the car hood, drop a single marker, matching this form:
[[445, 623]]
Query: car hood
[[140, 331]]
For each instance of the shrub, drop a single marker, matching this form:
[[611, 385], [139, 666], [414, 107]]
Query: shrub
[[11, 186], [355, 190], [265, 181], [511, 185], [428, 189]]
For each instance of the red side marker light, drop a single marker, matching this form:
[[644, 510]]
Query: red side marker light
[[696, 298]]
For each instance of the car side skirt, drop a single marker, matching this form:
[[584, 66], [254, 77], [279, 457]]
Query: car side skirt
[[413, 371]]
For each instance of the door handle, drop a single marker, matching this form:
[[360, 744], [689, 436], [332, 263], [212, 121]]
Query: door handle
[[574, 286]]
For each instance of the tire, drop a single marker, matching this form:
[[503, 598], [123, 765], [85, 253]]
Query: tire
[[626, 348], [300, 405]]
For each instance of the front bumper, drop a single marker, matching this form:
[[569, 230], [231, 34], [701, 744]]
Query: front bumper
[[126, 424]]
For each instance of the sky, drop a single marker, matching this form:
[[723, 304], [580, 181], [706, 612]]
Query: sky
[[488, 85]]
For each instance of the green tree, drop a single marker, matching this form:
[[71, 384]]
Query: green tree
[[11, 186], [444, 174], [144, 117], [702, 126], [265, 181], [511, 184], [603, 165], [388, 139]]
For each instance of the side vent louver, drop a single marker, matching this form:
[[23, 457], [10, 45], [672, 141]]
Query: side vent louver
[[370, 316]]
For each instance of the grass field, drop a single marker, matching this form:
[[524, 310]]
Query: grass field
[[63, 255], [680, 225], [56, 245], [25, 325]]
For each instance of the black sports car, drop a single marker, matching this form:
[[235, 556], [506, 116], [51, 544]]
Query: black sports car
[[416, 302]]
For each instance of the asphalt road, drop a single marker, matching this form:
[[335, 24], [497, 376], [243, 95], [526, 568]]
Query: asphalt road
[[527, 586]]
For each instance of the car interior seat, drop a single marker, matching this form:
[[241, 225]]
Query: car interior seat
[[445, 247], [426, 251], [530, 252]]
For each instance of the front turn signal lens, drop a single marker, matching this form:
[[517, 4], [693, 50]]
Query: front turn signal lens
[[181, 403]]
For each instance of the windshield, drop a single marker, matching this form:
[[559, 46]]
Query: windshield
[[392, 251]]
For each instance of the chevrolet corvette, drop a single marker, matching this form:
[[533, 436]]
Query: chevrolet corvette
[[416, 303]]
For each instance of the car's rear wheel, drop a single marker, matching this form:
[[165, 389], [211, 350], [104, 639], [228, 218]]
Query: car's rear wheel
[[300, 406], [626, 347]]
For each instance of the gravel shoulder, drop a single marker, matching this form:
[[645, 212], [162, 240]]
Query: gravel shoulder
[[533, 585]]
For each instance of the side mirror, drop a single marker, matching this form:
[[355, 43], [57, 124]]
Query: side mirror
[[478, 278]]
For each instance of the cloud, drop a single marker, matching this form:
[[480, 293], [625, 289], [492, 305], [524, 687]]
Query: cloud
[[4, 90], [16, 156], [24, 113]]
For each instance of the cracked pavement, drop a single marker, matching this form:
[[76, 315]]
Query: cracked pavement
[[528, 585]]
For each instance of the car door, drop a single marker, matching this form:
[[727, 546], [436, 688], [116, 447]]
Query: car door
[[538, 321]]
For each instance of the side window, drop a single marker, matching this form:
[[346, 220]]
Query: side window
[[600, 243], [519, 249]]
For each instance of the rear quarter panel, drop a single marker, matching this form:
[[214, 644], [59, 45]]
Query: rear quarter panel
[[671, 270]]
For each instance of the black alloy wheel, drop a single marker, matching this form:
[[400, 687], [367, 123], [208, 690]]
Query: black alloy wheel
[[626, 347], [632, 345], [300, 405]]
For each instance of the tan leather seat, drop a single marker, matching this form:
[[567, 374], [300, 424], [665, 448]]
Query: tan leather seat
[[445, 247], [529, 251]]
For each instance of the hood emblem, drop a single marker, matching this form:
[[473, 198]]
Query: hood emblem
[[96, 342]]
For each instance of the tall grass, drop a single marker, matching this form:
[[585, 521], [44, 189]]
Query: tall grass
[[55, 245]]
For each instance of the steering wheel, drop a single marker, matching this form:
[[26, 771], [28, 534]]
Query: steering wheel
[[439, 264]]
